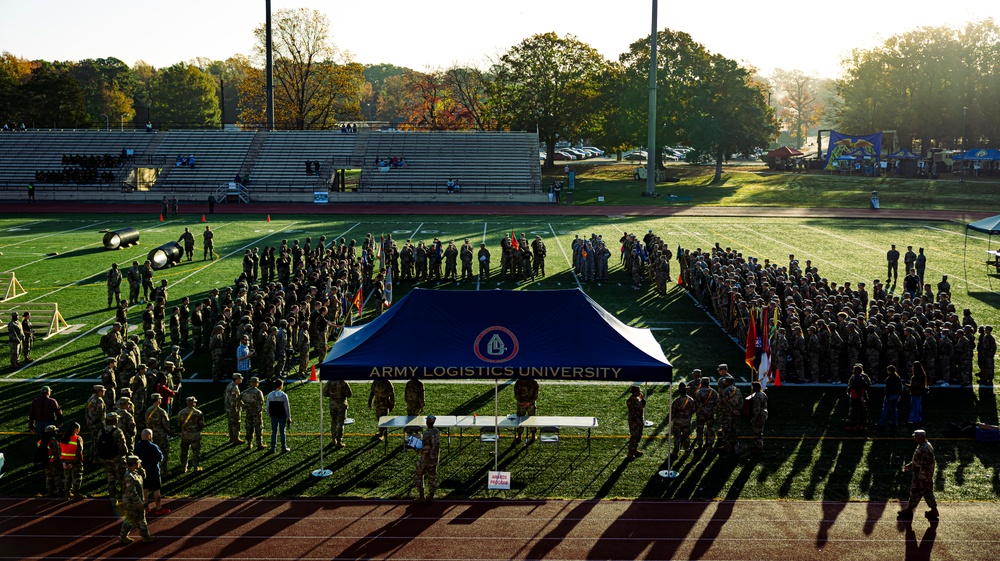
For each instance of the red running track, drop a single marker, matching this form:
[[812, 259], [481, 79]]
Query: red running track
[[493, 530]]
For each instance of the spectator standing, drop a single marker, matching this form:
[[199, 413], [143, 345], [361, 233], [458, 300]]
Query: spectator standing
[[918, 388], [44, 411], [31, 192], [857, 388], [892, 396], [243, 356], [280, 411], [150, 455], [71, 455]]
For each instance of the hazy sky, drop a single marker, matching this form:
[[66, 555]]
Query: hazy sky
[[811, 36]]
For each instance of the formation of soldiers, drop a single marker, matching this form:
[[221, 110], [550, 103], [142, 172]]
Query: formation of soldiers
[[818, 329], [715, 414]]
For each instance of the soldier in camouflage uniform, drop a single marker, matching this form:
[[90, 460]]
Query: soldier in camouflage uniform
[[114, 285], [986, 349], [146, 273], [873, 353], [113, 341], [53, 466], [526, 397], [253, 405], [413, 395], [234, 407], [158, 421], [338, 391], [139, 391], [126, 422], [758, 414], [176, 375], [110, 383], [114, 468], [217, 346], [134, 276], [707, 403], [636, 405], [127, 364], [94, 413], [813, 350], [681, 411], [267, 355], [300, 344], [921, 468], [133, 503], [150, 348], [190, 422], [15, 337], [383, 397], [427, 461], [281, 347], [730, 406]]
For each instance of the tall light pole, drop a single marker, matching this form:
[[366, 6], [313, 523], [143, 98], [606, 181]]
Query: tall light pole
[[269, 69], [965, 113], [107, 123], [651, 155], [123, 122]]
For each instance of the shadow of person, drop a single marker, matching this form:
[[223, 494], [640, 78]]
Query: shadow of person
[[920, 551], [384, 541]]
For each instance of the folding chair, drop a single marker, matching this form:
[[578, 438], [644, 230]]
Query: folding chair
[[548, 435], [487, 435]]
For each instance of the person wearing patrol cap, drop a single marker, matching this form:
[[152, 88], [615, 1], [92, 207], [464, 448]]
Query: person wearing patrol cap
[[158, 420], [110, 382], [730, 407], [706, 401], [234, 407], [150, 346], [636, 405], [427, 460], [111, 451], [94, 413], [682, 409], [190, 422], [15, 335], [253, 404], [126, 421], [986, 346], [48, 451], [921, 468], [133, 503]]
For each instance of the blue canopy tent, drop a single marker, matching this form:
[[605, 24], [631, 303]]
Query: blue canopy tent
[[982, 155], [991, 227], [496, 335], [903, 154]]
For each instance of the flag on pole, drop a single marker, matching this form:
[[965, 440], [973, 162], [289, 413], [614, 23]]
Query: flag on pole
[[359, 301], [380, 255], [752, 345], [513, 240], [388, 287]]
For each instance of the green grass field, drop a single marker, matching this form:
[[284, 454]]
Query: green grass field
[[809, 454], [754, 186]]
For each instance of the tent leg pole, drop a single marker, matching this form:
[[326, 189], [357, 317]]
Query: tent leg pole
[[496, 427], [669, 473], [321, 472]]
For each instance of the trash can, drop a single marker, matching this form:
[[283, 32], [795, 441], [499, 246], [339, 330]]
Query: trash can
[[569, 197]]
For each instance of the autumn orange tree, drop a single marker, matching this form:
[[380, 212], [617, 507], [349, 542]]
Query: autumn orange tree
[[315, 87]]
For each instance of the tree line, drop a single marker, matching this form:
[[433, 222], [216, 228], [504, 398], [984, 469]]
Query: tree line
[[915, 83]]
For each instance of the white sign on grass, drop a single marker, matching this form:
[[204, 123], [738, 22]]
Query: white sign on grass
[[499, 480]]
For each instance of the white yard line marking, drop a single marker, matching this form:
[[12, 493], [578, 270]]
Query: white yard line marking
[[568, 260], [87, 225], [47, 257], [799, 250], [956, 233]]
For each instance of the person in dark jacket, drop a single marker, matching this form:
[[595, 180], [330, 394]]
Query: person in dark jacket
[[891, 397]]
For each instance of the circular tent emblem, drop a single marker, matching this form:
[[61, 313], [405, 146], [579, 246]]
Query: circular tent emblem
[[496, 344]]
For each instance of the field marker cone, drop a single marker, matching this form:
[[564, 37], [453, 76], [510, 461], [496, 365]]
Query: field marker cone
[[161, 218], [312, 376], [777, 378], [203, 218], [268, 217]]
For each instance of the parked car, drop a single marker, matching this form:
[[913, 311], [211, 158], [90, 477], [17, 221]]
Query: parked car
[[597, 151], [580, 154], [560, 155], [634, 156]]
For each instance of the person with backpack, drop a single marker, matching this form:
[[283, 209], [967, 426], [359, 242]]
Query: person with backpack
[[111, 452], [857, 389]]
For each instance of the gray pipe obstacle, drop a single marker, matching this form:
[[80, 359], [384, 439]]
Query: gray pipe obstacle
[[167, 255], [121, 238]]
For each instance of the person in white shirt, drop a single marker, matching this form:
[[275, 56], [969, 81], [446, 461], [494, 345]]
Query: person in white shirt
[[280, 411]]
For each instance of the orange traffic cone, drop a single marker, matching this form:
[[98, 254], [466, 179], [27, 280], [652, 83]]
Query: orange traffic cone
[[777, 378], [312, 376], [203, 218], [268, 217], [161, 218]]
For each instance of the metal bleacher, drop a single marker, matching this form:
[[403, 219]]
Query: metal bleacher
[[24, 153], [479, 161], [218, 157], [282, 159]]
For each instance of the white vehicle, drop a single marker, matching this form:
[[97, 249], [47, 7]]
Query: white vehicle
[[641, 174]]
